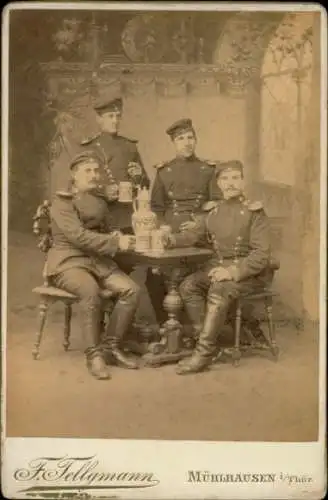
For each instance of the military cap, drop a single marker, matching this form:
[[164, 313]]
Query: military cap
[[108, 102], [180, 126], [86, 156], [229, 165]]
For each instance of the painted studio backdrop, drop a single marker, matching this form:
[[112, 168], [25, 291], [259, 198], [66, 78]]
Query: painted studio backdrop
[[249, 81]]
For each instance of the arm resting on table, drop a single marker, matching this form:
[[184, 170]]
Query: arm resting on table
[[65, 217]]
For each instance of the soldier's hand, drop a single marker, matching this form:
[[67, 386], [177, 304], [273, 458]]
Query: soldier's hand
[[126, 242], [111, 192], [168, 240], [187, 226], [219, 274], [134, 169]]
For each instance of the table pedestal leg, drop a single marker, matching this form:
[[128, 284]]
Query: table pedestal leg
[[170, 348]]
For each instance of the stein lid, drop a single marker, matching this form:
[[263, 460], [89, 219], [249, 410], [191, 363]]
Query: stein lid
[[143, 194]]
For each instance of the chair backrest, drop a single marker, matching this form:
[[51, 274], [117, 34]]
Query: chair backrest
[[42, 226]]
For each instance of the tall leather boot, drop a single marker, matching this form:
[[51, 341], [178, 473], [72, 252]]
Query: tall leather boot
[[205, 349], [196, 311], [90, 316], [117, 327], [155, 284]]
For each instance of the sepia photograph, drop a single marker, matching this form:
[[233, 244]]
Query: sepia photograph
[[164, 250]]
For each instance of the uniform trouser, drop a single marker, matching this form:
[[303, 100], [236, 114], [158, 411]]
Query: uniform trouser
[[157, 289], [201, 296], [86, 286]]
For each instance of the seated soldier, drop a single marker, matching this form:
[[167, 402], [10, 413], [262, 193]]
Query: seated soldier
[[81, 262], [239, 233]]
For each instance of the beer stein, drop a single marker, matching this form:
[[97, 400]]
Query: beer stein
[[143, 241], [157, 243], [125, 192]]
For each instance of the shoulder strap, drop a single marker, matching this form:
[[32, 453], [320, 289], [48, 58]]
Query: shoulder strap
[[160, 165], [210, 163], [66, 195], [90, 139], [210, 205], [254, 206], [134, 141]]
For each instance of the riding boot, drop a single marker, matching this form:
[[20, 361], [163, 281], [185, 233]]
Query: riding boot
[[155, 284], [117, 327], [196, 310], [91, 332], [206, 346]]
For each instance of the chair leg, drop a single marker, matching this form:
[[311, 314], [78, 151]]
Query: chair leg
[[236, 353], [67, 326], [43, 309], [272, 335]]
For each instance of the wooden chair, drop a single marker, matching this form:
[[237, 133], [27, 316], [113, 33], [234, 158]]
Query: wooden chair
[[266, 297], [50, 294]]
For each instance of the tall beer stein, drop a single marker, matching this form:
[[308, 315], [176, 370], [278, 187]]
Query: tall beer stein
[[143, 220]]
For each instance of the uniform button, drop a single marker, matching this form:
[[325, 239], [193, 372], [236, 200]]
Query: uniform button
[[170, 194], [242, 212], [175, 213], [239, 238], [168, 169]]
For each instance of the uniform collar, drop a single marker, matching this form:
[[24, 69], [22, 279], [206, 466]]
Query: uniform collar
[[108, 134], [190, 159], [78, 194], [236, 199]]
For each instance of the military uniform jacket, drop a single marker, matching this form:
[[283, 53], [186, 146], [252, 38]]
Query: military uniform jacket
[[239, 234], [180, 189], [78, 224], [118, 152]]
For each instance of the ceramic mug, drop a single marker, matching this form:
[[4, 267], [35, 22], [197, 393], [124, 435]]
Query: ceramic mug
[[125, 240], [143, 241], [157, 243], [125, 192]]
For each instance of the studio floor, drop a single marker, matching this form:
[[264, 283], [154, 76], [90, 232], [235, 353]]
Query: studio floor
[[261, 400]]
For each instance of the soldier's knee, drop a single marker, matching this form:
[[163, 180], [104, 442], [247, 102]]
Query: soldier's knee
[[131, 291], [225, 289], [188, 287], [89, 292]]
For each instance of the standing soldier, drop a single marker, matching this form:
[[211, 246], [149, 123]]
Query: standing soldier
[[240, 236], [122, 160], [81, 262], [181, 187]]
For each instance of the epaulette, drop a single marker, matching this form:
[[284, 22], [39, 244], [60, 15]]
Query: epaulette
[[132, 140], [90, 139], [253, 206], [210, 163], [64, 194], [129, 139], [210, 205], [160, 165]]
